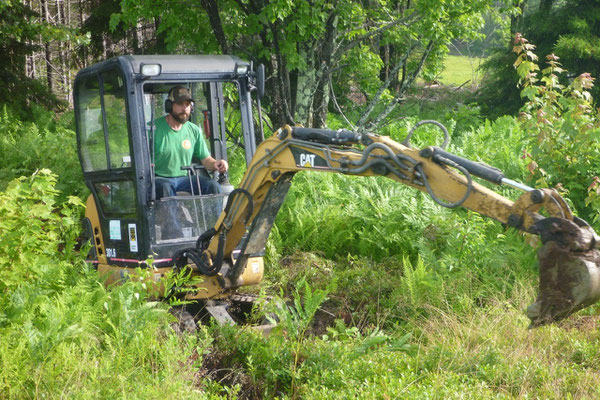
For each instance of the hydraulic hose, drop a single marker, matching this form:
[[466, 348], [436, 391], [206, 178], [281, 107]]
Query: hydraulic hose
[[248, 196], [450, 163], [198, 259], [326, 136], [406, 141]]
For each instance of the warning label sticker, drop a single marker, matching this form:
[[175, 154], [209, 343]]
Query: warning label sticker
[[133, 243]]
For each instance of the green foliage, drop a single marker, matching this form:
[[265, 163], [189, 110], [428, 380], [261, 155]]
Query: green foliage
[[288, 363], [178, 283], [44, 143], [498, 143], [318, 44], [498, 94], [297, 318], [348, 211], [593, 199], [415, 282], [562, 125], [31, 232], [569, 30], [61, 332]]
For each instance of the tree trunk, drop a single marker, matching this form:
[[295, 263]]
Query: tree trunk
[[61, 20], [384, 53], [282, 112], [47, 50], [321, 94], [212, 9], [82, 49], [276, 113], [139, 38]]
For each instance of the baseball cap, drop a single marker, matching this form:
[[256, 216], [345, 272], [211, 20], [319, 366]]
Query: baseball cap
[[179, 94]]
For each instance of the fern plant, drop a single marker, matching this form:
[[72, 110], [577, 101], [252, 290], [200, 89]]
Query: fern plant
[[417, 282], [295, 321]]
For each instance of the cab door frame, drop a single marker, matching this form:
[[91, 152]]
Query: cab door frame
[[123, 230]]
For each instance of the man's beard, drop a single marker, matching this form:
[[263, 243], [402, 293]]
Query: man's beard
[[181, 117]]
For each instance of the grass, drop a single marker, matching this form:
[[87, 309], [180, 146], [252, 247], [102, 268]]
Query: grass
[[461, 70], [445, 345]]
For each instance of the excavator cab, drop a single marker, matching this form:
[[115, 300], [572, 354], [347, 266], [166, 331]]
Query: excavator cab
[[116, 103]]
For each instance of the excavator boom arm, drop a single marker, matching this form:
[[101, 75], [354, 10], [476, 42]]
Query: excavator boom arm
[[447, 178], [293, 149]]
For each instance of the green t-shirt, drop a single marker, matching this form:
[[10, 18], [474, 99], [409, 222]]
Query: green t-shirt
[[174, 149]]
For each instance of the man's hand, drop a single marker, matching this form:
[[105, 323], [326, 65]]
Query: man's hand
[[215, 165], [221, 166]]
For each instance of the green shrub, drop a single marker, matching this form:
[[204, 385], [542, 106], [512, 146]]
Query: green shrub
[[44, 143], [62, 334], [36, 236], [562, 126]]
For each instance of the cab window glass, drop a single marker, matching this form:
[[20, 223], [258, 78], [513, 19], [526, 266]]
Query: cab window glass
[[93, 149], [116, 197], [116, 119], [155, 96]]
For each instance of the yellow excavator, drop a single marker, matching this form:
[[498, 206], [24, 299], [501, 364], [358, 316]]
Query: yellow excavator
[[222, 237]]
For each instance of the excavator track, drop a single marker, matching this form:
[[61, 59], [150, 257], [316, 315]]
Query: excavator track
[[242, 304], [244, 299], [235, 309]]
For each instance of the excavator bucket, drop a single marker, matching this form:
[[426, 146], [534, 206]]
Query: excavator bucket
[[569, 264]]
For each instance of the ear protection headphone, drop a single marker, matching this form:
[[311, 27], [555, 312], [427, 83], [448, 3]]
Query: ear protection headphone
[[169, 102]]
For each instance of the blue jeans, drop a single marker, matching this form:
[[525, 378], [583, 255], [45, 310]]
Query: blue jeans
[[170, 186]]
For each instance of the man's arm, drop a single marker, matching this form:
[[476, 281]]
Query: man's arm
[[215, 165]]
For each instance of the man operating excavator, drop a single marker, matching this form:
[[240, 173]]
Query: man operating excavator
[[177, 141]]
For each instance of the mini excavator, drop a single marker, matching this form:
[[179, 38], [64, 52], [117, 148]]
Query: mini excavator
[[222, 237]]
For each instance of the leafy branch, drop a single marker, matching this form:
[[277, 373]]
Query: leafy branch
[[562, 124]]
